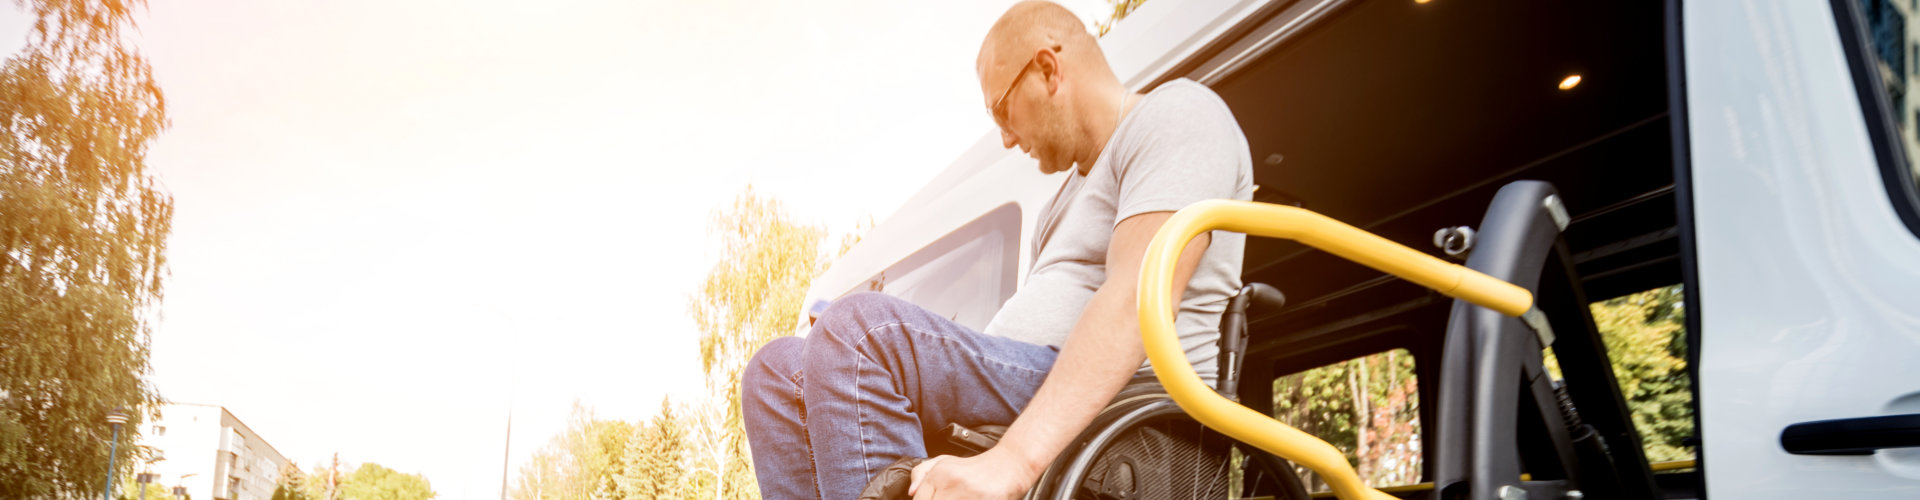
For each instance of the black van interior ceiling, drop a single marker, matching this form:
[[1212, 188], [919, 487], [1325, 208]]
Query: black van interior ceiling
[[1403, 118]]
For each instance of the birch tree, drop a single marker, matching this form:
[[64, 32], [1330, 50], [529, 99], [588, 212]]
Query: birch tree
[[580, 463], [752, 295], [83, 231]]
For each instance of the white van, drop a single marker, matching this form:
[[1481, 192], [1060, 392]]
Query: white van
[[1754, 151]]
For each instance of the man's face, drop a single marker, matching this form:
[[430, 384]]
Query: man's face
[[1017, 98]]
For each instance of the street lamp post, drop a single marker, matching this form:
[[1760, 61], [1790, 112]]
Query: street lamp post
[[116, 417], [180, 491], [147, 477]]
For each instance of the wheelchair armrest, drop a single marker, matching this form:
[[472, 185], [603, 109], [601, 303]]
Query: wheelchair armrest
[[892, 482], [1264, 297], [1233, 332]]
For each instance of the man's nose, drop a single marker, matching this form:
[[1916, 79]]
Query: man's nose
[[1008, 140]]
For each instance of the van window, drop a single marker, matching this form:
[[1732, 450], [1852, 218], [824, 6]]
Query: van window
[[1368, 407], [965, 275], [1877, 42], [1646, 338]]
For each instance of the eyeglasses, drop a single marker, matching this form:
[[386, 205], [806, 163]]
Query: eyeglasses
[[999, 109]]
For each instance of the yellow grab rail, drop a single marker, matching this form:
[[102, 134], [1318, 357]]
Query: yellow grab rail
[[1277, 221]]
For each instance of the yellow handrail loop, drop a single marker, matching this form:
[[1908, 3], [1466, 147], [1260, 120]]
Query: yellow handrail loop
[[1278, 221]]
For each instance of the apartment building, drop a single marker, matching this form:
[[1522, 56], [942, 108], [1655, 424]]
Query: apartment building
[[206, 453]]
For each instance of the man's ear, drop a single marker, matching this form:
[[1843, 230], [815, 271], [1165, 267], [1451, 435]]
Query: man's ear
[[1047, 61]]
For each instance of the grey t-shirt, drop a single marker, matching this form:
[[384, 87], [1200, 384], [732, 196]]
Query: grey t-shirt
[[1179, 145]]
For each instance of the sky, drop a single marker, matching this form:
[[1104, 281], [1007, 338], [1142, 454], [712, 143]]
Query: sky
[[398, 219]]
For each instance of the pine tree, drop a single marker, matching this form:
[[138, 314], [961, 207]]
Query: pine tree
[[652, 466], [292, 484]]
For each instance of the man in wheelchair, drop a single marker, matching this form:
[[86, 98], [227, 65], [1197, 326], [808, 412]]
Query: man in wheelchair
[[827, 412]]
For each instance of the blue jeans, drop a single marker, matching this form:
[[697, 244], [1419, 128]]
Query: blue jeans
[[826, 412]]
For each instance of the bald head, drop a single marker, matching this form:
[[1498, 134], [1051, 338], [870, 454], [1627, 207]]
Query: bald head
[[1034, 25]]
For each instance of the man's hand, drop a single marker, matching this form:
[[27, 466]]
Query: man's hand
[[987, 475], [1100, 355]]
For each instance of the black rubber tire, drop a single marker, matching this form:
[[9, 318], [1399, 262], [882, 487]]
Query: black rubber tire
[[1263, 474]]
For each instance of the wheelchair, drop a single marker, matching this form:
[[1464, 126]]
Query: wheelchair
[[1500, 426], [1141, 446]]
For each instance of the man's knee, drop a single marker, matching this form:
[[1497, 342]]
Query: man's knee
[[773, 366], [851, 314]]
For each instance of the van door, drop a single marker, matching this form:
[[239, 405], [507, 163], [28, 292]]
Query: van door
[[1806, 274]]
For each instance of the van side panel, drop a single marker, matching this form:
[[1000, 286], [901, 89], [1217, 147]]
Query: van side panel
[[1809, 282]]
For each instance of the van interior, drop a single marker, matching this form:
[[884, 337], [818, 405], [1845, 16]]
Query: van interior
[[1402, 117]]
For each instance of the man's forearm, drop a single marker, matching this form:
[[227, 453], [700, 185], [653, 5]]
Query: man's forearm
[[1101, 353], [1099, 357]]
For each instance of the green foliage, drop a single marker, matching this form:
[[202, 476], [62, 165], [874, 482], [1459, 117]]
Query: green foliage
[[312, 485], [545, 475], [285, 492], [1368, 407], [1645, 334], [1121, 8], [579, 463], [369, 481], [292, 485], [653, 465], [698, 449], [83, 228], [128, 488], [751, 296], [321, 484], [296, 485], [374, 482]]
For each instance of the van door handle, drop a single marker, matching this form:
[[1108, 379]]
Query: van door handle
[[1852, 436]]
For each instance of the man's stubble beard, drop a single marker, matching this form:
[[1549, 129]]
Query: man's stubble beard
[[1057, 150]]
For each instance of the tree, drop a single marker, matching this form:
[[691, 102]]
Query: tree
[[286, 492], [698, 449], [720, 465], [579, 463], [653, 465], [321, 484], [751, 296], [1121, 8], [374, 482], [1368, 407], [83, 229], [293, 485], [1645, 335], [753, 293], [129, 487], [543, 476]]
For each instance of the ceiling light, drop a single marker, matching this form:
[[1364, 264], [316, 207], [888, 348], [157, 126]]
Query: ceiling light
[[1570, 82]]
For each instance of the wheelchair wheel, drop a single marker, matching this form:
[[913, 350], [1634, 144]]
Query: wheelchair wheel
[[1265, 475], [1170, 458], [1150, 450]]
